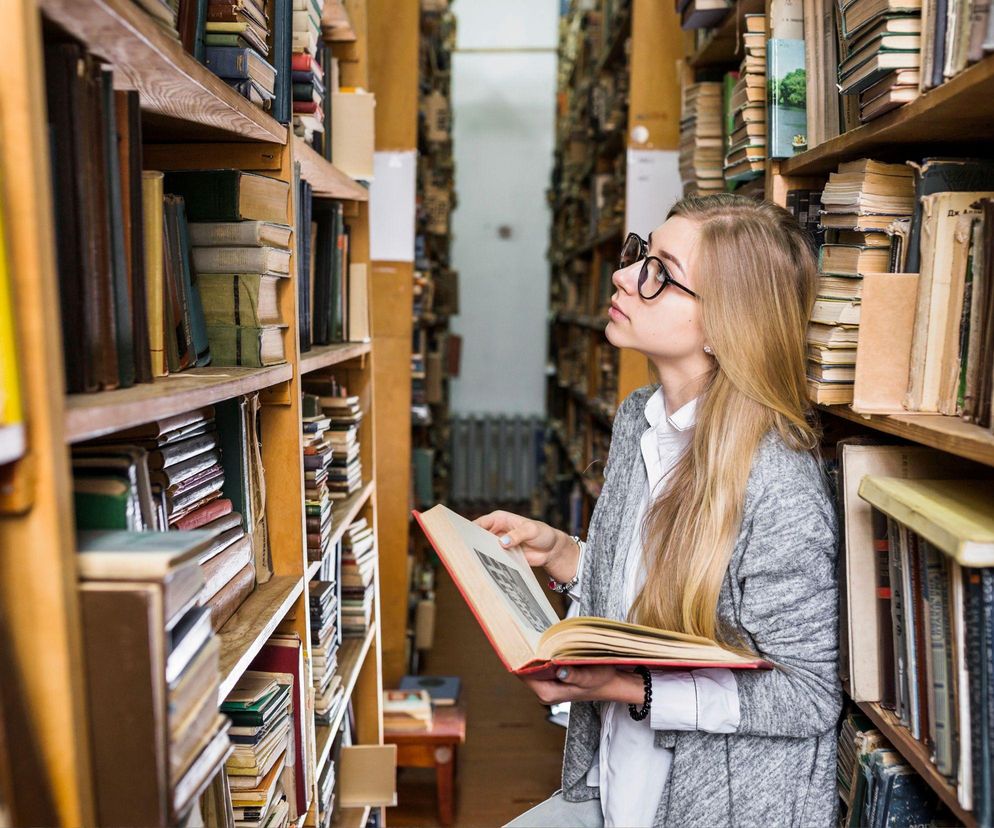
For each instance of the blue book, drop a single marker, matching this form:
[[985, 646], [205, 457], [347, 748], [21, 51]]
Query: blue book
[[235, 63], [282, 57], [787, 119]]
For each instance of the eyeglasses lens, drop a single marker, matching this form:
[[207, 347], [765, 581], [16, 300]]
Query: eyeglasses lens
[[631, 251]]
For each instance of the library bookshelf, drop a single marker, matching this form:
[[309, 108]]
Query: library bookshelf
[[952, 119], [190, 119]]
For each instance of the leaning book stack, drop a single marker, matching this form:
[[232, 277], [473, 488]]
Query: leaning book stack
[[152, 694], [329, 692], [317, 456], [860, 202], [308, 74], [745, 156], [344, 415], [241, 255], [238, 42], [881, 47], [358, 578], [701, 139]]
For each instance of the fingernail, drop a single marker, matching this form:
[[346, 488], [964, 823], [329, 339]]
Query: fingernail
[[505, 540], [562, 673]]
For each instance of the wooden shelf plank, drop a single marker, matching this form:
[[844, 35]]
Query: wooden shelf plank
[[253, 622], [915, 754], [93, 415], [312, 569], [958, 112], [945, 433], [324, 177], [336, 25], [172, 83], [322, 356], [723, 44], [351, 655]]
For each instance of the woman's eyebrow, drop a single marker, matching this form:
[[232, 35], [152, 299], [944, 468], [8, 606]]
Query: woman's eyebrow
[[665, 255]]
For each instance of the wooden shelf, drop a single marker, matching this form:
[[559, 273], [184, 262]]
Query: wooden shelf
[[336, 25], [958, 113], [322, 356], [324, 177], [350, 817], [723, 44], [93, 415], [351, 655], [253, 622], [915, 754], [949, 434], [173, 85]]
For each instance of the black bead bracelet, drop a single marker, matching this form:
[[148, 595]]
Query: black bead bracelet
[[638, 714]]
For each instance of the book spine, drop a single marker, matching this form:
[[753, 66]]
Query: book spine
[[210, 195], [228, 61], [896, 534]]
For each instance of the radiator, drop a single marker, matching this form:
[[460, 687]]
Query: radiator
[[495, 457]]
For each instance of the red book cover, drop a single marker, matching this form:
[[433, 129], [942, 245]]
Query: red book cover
[[302, 62], [307, 108], [204, 515]]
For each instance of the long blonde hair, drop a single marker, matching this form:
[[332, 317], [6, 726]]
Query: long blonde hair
[[756, 277]]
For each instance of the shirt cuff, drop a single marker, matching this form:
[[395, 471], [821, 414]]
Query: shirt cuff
[[705, 699]]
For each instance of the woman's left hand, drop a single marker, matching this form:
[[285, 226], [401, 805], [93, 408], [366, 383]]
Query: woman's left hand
[[589, 684]]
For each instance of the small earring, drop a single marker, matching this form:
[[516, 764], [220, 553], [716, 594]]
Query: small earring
[[708, 350]]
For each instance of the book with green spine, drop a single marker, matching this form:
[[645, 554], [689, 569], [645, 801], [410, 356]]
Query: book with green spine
[[247, 346], [239, 299]]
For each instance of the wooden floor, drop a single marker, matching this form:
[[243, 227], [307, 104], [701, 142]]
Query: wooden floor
[[512, 757]]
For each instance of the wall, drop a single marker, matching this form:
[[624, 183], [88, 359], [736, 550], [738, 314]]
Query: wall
[[503, 93]]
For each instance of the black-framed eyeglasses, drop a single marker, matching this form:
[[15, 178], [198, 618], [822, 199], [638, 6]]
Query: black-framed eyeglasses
[[654, 270]]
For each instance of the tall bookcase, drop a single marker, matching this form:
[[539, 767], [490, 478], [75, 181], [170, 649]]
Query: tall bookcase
[[617, 92], [191, 119]]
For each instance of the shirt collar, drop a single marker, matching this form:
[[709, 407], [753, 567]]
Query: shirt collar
[[680, 420]]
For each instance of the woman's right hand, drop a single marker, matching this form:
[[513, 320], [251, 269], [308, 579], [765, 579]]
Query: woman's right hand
[[543, 546]]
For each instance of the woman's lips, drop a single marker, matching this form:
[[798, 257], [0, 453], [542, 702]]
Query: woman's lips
[[615, 313]]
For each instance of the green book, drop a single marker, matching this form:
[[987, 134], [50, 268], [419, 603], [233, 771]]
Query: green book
[[239, 298], [247, 346], [223, 39], [105, 503], [258, 713], [230, 195]]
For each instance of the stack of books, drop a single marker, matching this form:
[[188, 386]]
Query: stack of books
[[345, 467], [326, 793], [260, 711], [308, 74], [317, 456], [882, 55], [406, 711], [153, 694], [859, 203], [873, 778], [745, 157], [325, 640], [238, 39], [241, 251], [358, 576], [308, 94], [701, 139], [165, 14]]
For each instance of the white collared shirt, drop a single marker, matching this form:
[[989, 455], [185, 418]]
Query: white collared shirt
[[629, 769]]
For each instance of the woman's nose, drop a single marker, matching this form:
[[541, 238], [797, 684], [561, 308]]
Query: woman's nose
[[624, 278]]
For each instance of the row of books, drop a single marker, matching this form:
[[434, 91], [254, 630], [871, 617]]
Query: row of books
[[326, 638], [193, 471], [876, 786], [150, 656], [270, 771], [902, 322], [918, 617]]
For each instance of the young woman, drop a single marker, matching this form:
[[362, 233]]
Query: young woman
[[714, 519]]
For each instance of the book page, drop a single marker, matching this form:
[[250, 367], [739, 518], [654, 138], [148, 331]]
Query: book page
[[497, 583]]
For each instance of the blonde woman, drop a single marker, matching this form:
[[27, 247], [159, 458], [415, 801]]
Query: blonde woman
[[714, 519]]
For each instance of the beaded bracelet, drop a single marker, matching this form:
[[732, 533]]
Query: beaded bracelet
[[636, 713]]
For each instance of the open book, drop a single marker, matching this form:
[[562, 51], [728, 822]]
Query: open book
[[501, 589]]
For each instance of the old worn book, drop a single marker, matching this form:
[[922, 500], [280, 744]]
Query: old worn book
[[153, 219], [240, 299], [241, 260], [501, 590], [829, 311], [136, 555], [239, 234], [223, 604], [230, 195], [252, 347]]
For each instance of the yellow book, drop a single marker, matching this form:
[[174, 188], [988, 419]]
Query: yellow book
[[955, 516], [12, 439], [152, 194]]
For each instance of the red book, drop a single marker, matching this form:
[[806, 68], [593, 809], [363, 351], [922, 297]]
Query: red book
[[307, 108], [204, 515], [302, 62]]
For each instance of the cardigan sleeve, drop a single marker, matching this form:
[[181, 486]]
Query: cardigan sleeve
[[789, 604]]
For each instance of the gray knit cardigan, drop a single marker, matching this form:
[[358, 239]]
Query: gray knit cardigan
[[780, 591]]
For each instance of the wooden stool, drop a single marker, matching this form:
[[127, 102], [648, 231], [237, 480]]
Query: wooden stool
[[435, 748]]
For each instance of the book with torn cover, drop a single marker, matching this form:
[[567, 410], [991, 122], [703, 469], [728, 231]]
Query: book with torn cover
[[520, 623]]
